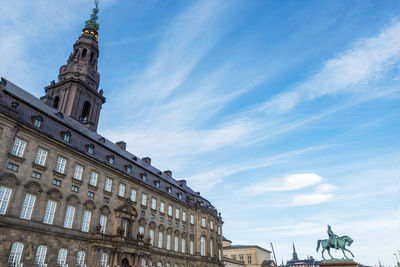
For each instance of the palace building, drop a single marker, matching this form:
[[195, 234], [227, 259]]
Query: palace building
[[70, 197]]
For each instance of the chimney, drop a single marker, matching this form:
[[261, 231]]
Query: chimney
[[168, 173], [121, 145], [147, 160]]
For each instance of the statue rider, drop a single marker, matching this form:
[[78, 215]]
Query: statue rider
[[332, 237]]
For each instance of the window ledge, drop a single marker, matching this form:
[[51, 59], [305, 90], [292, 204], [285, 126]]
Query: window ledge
[[107, 193], [76, 181], [39, 167], [59, 174], [16, 158], [92, 187]]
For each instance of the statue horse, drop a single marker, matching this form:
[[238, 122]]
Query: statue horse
[[341, 244]]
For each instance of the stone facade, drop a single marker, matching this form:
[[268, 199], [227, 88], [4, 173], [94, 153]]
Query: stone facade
[[70, 196]]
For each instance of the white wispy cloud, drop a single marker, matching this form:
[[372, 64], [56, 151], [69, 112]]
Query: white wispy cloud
[[353, 71]]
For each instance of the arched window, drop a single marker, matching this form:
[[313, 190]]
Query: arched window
[[80, 258], [62, 256], [16, 253], [56, 101], [84, 51], [168, 241], [85, 111], [40, 256]]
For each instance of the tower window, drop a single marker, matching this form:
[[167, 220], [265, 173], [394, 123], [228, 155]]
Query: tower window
[[85, 112], [56, 101], [84, 51], [91, 57]]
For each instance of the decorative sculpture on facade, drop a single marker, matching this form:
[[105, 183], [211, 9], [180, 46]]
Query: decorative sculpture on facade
[[335, 242], [92, 22]]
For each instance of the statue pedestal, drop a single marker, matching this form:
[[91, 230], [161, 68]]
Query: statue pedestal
[[338, 263]]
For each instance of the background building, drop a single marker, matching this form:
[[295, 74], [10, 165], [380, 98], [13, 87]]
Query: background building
[[69, 196], [251, 256], [295, 262]]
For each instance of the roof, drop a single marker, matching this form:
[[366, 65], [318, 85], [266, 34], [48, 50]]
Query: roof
[[52, 127], [246, 246], [224, 239]]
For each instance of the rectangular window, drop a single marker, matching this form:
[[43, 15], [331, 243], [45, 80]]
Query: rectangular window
[[69, 217], [121, 190], [108, 185], [56, 182], [75, 188], [86, 220], [133, 195], [103, 223], [241, 258], [162, 207], [60, 166], [191, 219], [160, 239], [151, 235], [27, 207], [5, 194], [203, 222], [90, 194], [176, 243], [219, 230], [177, 211], [12, 166], [153, 203], [211, 248], [103, 259], [202, 246], [249, 259], [144, 199], [169, 210], [184, 216], [191, 247], [211, 225], [78, 172], [49, 213], [36, 175], [183, 245], [106, 200], [18, 147], [41, 156], [93, 178], [168, 241], [141, 229]]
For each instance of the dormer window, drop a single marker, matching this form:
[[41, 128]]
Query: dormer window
[[180, 195], [144, 177], [59, 114], [66, 136], [128, 169], [169, 190], [157, 184], [37, 121], [102, 139], [90, 149], [111, 159]]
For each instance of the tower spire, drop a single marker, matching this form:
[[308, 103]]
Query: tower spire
[[76, 91], [295, 258]]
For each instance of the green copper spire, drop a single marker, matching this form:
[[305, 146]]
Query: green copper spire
[[92, 22]]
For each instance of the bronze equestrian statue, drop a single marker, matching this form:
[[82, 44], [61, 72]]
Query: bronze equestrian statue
[[335, 242]]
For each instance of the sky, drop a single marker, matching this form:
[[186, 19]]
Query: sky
[[284, 114]]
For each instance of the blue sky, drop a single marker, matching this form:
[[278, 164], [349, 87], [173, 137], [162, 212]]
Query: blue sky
[[285, 114]]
